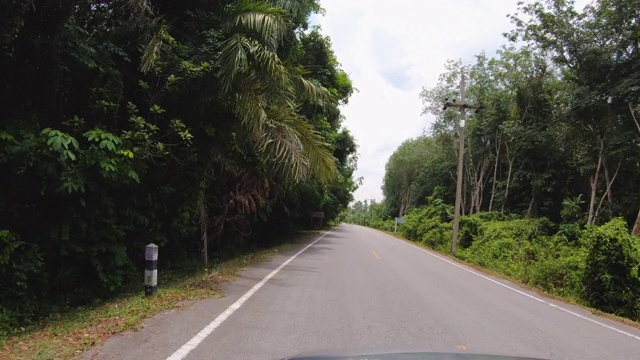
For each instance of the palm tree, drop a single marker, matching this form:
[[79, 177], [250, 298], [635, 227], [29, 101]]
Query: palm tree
[[264, 93]]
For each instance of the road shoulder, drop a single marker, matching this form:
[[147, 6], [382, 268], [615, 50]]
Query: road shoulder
[[165, 332], [606, 319]]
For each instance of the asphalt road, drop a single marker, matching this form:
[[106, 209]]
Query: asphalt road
[[358, 288]]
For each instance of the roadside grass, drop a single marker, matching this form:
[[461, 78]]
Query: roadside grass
[[64, 336], [538, 291]]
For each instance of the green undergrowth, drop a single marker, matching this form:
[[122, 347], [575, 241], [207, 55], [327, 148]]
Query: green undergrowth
[[65, 335]]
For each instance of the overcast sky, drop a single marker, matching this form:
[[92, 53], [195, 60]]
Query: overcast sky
[[391, 49]]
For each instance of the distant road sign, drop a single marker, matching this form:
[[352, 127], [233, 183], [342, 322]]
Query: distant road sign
[[317, 215], [400, 220]]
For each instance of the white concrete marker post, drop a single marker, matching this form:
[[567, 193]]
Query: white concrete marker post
[[151, 270]]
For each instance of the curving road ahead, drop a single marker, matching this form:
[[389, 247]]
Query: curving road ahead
[[359, 288]]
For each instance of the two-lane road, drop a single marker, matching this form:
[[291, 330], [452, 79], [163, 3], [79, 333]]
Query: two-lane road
[[359, 288]]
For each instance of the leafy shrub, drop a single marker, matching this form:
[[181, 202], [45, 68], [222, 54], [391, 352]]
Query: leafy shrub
[[390, 225], [422, 220], [611, 281], [19, 265], [573, 217], [572, 232], [417, 223], [438, 236], [470, 225], [572, 212], [509, 246], [385, 225], [438, 209], [559, 268]]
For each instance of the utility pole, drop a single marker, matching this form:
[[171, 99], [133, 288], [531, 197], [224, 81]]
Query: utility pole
[[463, 106]]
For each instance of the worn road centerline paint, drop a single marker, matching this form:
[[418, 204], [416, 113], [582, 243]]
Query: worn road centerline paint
[[375, 254], [185, 349]]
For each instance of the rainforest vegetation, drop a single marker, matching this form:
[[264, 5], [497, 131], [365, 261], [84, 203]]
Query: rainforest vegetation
[[551, 192], [206, 127]]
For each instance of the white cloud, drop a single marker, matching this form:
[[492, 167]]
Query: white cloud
[[391, 50]]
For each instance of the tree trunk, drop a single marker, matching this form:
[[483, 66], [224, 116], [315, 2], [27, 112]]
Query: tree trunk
[[471, 180], [475, 196], [404, 195], [607, 193], [477, 181], [636, 226], [533, 201], [203, 220], [495, 175], [464, 202], [404, 200], [635, 120], [506, 191], [609, 181], [481, 184], [473, 191], [594, 187]]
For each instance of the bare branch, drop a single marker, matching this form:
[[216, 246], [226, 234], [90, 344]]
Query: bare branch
[[609, 184], [634, 116]]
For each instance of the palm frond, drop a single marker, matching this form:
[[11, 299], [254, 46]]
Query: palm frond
[[266, 92], [232, 59], [304, 153], [279, 144], [154, 47], [312, 91], [260, 67], [139, 10], [260, 20], [250, 108], [267, 28], [315, 149], [283, 151], [289, 144], [297, 8], [268, 63]]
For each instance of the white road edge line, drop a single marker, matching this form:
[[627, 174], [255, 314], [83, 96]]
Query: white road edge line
[[518, 291], [207, 330]]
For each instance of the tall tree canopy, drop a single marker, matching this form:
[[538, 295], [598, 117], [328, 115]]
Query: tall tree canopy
[[193, 124], [551, 170], [559, 120]]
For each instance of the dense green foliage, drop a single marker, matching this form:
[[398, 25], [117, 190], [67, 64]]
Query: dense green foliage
[[551, 170], [202, 126]]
